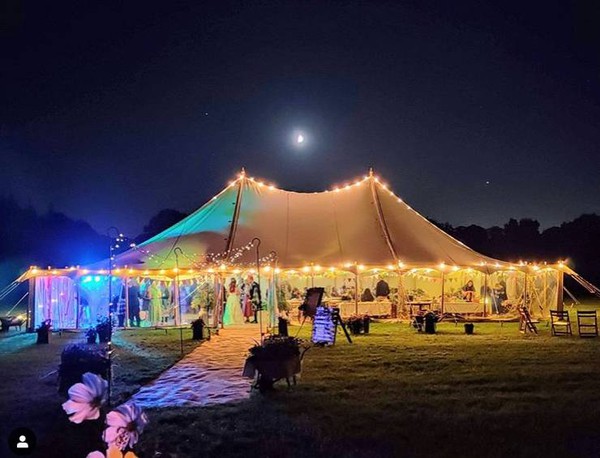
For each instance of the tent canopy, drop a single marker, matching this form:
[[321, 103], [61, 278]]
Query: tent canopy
[[359, 224]]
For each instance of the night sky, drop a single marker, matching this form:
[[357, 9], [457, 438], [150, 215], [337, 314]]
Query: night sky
[[473, 111]]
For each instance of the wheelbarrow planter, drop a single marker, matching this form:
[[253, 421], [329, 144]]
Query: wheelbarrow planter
[[277, 359]]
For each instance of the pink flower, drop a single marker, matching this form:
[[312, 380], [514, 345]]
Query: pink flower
[[125, 424], [112, 452], [86, 398]]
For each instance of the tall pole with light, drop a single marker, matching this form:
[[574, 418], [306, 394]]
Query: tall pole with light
[[109, 232]]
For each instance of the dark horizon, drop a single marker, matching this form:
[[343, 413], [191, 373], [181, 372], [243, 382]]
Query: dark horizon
[[474, 113]]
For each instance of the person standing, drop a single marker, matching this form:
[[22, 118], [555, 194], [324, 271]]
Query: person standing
[[133, 297], [251, 299], [155, 303], [166, 308], [233, 312]]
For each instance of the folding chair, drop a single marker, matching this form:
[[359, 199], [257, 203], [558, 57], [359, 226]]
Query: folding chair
[[587, 323], [526, 324], [561, 323]]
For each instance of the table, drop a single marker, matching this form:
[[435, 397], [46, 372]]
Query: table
[[419, 304], [371, 308], [463, 307]]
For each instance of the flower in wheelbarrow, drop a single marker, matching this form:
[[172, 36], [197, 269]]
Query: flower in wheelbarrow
[[125, 424], [112, 452], [85, 399]]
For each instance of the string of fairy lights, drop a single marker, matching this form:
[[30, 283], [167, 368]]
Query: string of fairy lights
[[231, 260]]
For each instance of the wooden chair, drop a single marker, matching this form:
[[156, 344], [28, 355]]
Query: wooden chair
[[561, 323], [526, 324], [587, 323]]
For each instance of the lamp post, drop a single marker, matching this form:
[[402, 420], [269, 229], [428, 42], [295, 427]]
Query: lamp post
[[118, 237]]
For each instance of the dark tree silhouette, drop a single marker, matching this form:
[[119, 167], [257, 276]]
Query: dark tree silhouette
[[159, 222], [577, 240]]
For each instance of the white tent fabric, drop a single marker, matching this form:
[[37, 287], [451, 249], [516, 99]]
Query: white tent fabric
[[363, 223]]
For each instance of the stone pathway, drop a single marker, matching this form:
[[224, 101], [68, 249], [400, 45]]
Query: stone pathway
[[211, 374]]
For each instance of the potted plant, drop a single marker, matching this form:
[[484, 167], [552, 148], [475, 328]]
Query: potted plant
[[430, 319], [366, 323], [91, 335], [43, 332], [355, 323], [469, 328], [198, 329], [276, 358], [103, 329], [77, 359]]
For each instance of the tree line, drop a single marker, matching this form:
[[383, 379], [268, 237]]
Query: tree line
[[577, 241]]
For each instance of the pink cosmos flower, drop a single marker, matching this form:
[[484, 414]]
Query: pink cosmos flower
[[125, 424], [112, 452], [85, 399]]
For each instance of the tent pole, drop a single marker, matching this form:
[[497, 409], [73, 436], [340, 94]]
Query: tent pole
[[485, 294], [525, 292], [178, 319], [126, 321], [545, 289], [59, 304], [380, 217], [443, 290], [236, 212], [259, 308], [356, 292], [219, 296], [176, 305], [559, 290], [31, 305], [401, 293], [78, 305]]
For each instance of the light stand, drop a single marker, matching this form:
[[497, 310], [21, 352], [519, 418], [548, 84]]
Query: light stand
[[110, 313]]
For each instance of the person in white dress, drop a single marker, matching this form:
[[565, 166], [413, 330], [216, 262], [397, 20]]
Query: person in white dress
[[233, 310]]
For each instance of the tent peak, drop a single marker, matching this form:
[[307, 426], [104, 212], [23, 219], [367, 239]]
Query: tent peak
[[371, 172]]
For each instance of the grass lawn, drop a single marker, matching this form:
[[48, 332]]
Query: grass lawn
[[397, 393], [391, 393], [29, 390]]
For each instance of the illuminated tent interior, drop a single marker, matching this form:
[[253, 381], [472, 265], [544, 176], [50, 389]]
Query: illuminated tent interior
[[347, 239]]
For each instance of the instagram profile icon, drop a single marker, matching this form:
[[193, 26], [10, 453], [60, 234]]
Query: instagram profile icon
[[22, 441]]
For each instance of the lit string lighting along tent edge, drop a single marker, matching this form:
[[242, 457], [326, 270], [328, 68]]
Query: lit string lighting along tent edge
[[225, 261], [360, 228]]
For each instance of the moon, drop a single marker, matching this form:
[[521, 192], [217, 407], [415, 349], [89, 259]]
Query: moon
[[300, 139]]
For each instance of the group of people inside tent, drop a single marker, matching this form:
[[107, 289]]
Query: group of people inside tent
[[345, 292], [497, 294], [146, 302]]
